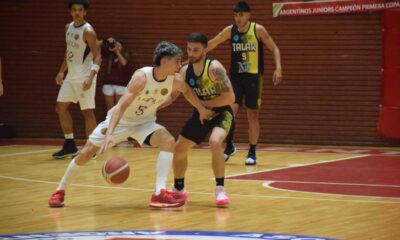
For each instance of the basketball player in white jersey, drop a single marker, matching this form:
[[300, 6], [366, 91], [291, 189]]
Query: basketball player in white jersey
[[149, 89], [82, 60]]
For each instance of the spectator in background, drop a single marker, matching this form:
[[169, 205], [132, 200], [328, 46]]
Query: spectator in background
[[117, 71]]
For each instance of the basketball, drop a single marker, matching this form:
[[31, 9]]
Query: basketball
[[115, 170]]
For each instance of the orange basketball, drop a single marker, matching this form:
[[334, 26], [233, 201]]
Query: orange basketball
[[115, 170]]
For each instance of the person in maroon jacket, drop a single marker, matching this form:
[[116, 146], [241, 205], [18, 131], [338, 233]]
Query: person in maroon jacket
[[117, 70]]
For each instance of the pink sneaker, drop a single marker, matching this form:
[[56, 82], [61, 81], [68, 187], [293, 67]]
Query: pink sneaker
[[57, 199], [179, 195], [221, 199], [165, 200]]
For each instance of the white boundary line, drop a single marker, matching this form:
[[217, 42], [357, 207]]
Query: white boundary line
[[24, 153], [206, 193], [308, 164], [268, 185]]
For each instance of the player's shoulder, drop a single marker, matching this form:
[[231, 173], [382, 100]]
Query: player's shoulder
[[259, 27], [215, 64], [138, 80], [178, 77]]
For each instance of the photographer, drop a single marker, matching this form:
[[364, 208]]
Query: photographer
[[117, 70]]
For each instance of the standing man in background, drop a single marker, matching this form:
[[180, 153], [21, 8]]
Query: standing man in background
[[82, 60], [247, 66]]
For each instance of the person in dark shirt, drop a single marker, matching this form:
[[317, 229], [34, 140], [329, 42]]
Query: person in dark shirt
[[117, 78]]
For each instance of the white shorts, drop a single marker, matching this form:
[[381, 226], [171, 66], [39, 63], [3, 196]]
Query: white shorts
[[72, 91], [111, 90], [138, 131]]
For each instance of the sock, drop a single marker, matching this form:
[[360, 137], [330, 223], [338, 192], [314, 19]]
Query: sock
[[69, 136], [164, 164], [179, 183], [69, 175], [220, 181], [252, 150]]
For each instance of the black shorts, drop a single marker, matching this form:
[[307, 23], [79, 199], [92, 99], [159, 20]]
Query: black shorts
[[249, 87], [196, 132]]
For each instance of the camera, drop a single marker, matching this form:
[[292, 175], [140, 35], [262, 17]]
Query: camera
[[109, 44]]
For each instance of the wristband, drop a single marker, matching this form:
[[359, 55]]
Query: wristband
[[95, 68]]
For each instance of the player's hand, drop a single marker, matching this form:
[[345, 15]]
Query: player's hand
[[60, 78], [277, 78], [1, 88], [87, 83], [205, 114], [108, 142]]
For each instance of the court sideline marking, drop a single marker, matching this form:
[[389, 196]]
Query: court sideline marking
[[203, 193]]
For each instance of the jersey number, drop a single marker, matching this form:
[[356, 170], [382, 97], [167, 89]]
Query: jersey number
[[140, 110], [69, 56], [244, 56]]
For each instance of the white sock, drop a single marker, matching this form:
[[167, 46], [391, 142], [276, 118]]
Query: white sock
[[69, 136], [164, 164], [69, 174]]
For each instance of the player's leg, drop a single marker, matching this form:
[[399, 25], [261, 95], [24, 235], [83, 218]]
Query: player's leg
[[92, 146], [193, 132], [65, 97], [162, 139], [180, 162], [230, 148], [222, 125], [253, 103], [87, 104], [90, 121], [57, 198], [162, 198]]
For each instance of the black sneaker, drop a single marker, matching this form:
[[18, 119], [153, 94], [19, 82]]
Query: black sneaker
[[229, 151], [65, 152], [251, 160], [69, 149]]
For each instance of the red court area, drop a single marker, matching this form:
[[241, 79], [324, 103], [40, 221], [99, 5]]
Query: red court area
[[377, 176]]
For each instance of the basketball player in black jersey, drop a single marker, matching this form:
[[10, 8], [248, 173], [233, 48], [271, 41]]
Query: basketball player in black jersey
[[208, 79], [247, 66]]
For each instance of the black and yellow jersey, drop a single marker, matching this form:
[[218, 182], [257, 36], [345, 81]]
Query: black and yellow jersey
[[202, 85], [247, 52]]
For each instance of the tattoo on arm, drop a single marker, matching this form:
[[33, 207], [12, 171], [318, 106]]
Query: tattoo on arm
[[221, 81]]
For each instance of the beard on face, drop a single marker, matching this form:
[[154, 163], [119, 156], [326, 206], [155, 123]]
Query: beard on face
[[194, 60]]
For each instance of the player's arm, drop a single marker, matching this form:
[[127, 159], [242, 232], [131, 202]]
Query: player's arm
[[267, 40], [181, 86], [63, 68], [221, 37], [223, 86], [136, 85], [175, 93], [89, 35]]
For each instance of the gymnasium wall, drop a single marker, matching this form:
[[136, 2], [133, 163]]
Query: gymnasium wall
[[330, 92]]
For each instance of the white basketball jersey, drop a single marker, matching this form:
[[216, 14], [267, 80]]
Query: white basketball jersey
[[145, 105], [78, 55]]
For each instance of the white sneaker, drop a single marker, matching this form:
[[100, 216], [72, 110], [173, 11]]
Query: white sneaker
[[228, 152], [221, 199], [250, 161]]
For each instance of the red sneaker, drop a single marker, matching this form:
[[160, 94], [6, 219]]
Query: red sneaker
[[165, 200], [57, 199], [179, 195]]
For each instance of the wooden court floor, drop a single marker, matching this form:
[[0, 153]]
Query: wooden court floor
[[28, 175]]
